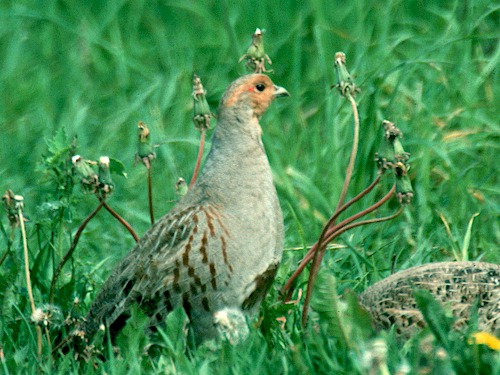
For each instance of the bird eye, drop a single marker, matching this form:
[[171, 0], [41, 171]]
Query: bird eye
[[260, 87]]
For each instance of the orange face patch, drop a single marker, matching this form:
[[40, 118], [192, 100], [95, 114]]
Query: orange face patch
[[256, 97]]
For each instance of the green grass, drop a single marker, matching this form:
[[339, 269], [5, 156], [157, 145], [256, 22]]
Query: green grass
[[97, 68]]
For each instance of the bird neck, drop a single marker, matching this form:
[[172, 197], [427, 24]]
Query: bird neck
[[238, 126], [237, 160]]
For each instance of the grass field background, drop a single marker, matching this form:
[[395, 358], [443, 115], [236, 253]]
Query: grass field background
[[93, 69]]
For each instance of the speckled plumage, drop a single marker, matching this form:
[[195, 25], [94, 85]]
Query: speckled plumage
[[221, 245], [457, 285]]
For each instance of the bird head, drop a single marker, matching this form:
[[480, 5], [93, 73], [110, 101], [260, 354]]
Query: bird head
[[251, 92]]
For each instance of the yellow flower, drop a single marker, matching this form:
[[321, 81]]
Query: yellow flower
[[487, 339]]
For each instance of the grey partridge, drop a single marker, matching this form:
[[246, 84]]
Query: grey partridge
[[220, 246], [459, 286]]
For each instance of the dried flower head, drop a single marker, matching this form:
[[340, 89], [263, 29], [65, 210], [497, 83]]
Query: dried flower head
[[8, 200], [345, 83], [181, 187], [106, 184], [47, 315], [201, 110], [256, 57], [88, 177], [145, 149]]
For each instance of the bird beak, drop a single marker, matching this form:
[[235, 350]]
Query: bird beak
[[280, 91]]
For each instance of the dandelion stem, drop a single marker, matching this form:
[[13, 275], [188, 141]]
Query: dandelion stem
[[287, 288], [329, 236], [354, 151], [198, 160], [72, 248], [120, 219], [28, 280], [150, 196]]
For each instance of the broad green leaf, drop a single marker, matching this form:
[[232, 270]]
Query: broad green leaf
[[434, 315], [330, 309], [117, 167]]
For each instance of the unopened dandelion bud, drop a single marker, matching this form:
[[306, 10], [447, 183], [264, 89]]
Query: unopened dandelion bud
[[385, 157], [201, 109], [256, 57], [144, 145], [8, 200], [399, 153], [345, 83], [404, 190], [105, 182], [181, 187], [392, 135], [391, 131], [83, 167], [88, 177], [391, 150]]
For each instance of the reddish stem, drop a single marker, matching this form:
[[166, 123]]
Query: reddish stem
[[150, 196], [340, 204], [337, 233], [310, 253], [120, 219], [71, 250], [339, 210], [354, 151], [330, 235], [198, 159]]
